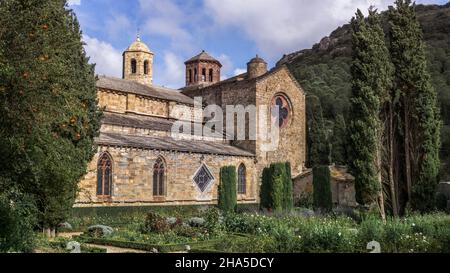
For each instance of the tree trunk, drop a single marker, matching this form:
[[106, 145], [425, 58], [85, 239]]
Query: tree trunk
[[380, 201], [407, 150], [391, 147]]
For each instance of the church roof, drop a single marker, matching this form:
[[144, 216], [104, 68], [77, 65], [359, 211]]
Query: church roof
[[132, 87], [203, 56], [257, 59], [170, 144], [139, 46], [137, 121]]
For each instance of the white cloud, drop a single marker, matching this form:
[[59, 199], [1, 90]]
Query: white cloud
[[239, 71], [172, 73], [74, 2], [108, 59], [167, 19], [279, 27], [119, 27]]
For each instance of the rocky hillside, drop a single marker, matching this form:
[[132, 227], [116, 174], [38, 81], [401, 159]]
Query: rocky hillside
[[324, 70]]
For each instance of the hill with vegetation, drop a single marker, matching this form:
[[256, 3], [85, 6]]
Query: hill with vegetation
[[324, 70]]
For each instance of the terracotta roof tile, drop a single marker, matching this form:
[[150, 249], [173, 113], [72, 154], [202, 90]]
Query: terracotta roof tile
[[144, 90]]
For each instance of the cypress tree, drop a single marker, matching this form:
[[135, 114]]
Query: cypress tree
[[318, 139], [323, 199], [48, 110], [288, 197], [339, 142], [273, 188], [227, 189], [371, 82], [418, 111]]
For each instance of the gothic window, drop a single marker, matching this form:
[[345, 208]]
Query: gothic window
[[190, 75], [146, 67], [204, 75], [282, 104], [203, 178], [133, 66], [159, 178], [211, 75], [242, 179], [104, 175]]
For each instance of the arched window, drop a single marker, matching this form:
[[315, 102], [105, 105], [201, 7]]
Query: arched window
[[242, 179], [203, 74], [146, 67], [104, 175], [133, 66], [211, 75], [190, 75], [195, 75], [159, 178]]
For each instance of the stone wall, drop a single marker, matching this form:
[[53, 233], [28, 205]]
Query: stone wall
[[133, 177], [139, 76], [342, 187], [122, 102], [292, 142]]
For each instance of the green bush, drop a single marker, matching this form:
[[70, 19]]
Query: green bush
[[227, 189], [17, 221], [322, 189], [305, 200], [155, 223]]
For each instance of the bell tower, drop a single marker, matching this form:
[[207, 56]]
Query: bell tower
[[138, 63], [202, 69]]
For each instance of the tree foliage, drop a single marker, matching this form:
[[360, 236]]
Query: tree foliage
[[324, 70], [48, 108], [420, 114], [371, 82]]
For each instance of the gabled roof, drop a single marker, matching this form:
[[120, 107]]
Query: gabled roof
[[203, 56], [170, 144], [153, 91]]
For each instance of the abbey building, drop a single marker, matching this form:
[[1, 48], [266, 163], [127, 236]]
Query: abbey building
[[139, 162]]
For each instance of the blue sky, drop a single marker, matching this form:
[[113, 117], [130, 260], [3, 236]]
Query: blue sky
[[233, 31]]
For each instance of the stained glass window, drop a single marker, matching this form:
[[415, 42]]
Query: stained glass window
[[203, 178], [104, 175], [282, 105]]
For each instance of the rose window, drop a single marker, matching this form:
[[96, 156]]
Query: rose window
[[282, 105]]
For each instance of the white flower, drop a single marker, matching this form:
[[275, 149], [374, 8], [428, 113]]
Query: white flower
[[339, 234]]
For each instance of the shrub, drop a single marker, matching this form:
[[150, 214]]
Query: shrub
[[99, 231], [197, 222], [305, 200], [155, 223], [441, 202], [227, 189], [322, 189], [17, 222]]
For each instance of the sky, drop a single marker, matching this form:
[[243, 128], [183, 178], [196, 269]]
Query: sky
[[233, 31]]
